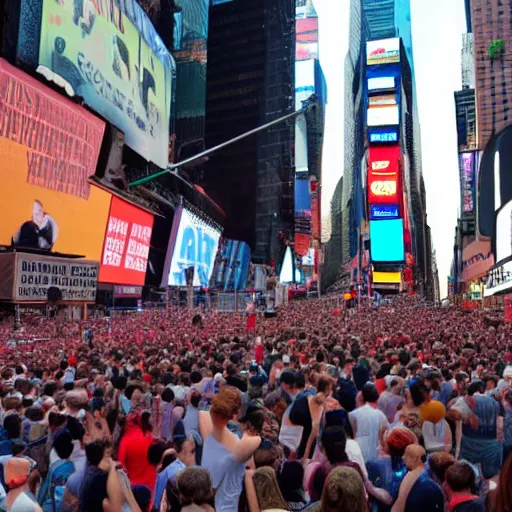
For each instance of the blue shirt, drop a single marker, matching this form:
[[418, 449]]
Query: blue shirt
[[161, 480]]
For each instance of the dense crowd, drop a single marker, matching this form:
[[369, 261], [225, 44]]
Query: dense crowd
[[396, 408]]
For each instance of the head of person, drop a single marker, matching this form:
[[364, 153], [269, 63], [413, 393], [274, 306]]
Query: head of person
[[459, 479], [397, 440], [21, 471], [334, 443], [419, 392], [438, 463], [194, 486], [185, 451], [226, 404], [287, 381], [324, 388], [12, 425], [291, 477], [370, 394], [267, 489], [63, 444], [37, 212], [415, 457], [344, 492]]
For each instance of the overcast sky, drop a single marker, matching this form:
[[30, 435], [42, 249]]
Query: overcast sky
[[437, 27]]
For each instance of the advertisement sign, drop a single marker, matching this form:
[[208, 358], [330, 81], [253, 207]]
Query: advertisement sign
[[477, 259], [504, 232], [304, 81], [388, 115], [387, 240], [307, 39], [467, 182], [48, 148], [383, 212], [231, 266], [387, 277], [387, 99], [383, 175], [127, 292], [499, 279], [193, 243], [219, 2], [304, 9], [383, 51], [382, 190], [28, 277], [381, 83], [126, 249], [109, 54], [382, 136]]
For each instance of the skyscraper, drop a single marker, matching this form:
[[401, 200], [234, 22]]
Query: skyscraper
[[492, 31], [250, 81]]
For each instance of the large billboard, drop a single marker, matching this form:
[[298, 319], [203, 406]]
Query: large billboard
[[384, 175], [48, 148], [109, 54], [383, 115], [126, 248], [193, 243], [383, 51], [232, 265], [307, 39], [387, 241], [503, 237], [467, 182]]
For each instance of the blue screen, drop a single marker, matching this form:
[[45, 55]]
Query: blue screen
[[391, 136], [384, 212], [387, 240]]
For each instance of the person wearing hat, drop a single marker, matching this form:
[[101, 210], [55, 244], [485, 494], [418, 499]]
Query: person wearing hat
[[21, 477]]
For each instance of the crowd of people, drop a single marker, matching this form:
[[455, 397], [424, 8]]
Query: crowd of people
[[398, 408]]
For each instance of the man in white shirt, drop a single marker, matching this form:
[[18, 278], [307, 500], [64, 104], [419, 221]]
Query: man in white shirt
[[369, 423]]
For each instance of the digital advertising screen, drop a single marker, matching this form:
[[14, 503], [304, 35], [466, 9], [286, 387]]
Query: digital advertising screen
[[386, 135], [467, 182], [49, 148], [504, 232], [193, 243], [126, 248], [381, 83], [387, 115], [109, 54], [383, 51], [387, 240], [383, 212], [383, 175], [382, 100]]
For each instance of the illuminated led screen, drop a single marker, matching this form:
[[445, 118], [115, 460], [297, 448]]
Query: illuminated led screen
[[387, 240]]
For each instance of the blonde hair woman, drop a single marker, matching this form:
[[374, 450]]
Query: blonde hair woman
[[263, 493], [344, 492]]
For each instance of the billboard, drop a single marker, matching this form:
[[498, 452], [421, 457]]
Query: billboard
[[499, 279], [307, 39], [48, 148], [383, 175], [126, 248], [304, 81], [467, 182], [382, 100], [387, 115], [109, 54], [193, 243], [504, 232], [383, 212], [232, 266], [304, 9], [387, 277], [29, 277], [383, 135], [383, 190], [381, 83], [383, 51], [387, 240]]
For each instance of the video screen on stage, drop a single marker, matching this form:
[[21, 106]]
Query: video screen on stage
[[193, 244]]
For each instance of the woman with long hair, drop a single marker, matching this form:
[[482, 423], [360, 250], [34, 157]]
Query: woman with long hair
[[263, 492], [224, 454], [500, 500], [344, 492]]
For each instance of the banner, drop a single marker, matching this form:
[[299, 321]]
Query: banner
[[109, 54], [508, 309], [126, 249], [32, 275], [127, 292], [467, 182]]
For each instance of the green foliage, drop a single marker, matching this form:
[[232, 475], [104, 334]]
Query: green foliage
[[496, 49]]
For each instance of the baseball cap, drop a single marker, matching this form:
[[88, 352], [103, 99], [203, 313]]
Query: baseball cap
[[286, 359]]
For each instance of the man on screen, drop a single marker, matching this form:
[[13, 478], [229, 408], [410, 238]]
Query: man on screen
[[39, 233]]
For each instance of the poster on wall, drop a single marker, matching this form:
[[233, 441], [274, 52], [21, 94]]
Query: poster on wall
[[193, 243], [126, 249], [109, 54], [49, 148]]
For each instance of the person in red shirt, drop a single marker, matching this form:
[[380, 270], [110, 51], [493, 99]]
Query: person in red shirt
[[133, 450]]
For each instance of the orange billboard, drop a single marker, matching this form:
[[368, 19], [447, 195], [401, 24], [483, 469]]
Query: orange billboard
[[49, 148]]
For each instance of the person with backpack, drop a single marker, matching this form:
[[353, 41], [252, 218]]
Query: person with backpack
[[52, 490]]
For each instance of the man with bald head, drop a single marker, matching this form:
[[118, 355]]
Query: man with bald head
[[418, 492]]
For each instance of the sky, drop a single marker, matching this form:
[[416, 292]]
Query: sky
[[437, 28]]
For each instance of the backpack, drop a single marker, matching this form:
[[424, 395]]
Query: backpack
[[54, 486]]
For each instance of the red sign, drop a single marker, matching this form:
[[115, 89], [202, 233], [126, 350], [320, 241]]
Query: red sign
[[508, 309], [126, 247], [384, 174], [63, 140]]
